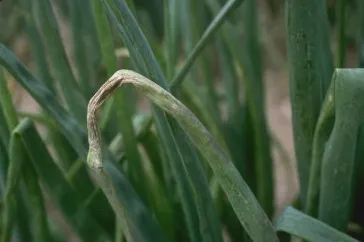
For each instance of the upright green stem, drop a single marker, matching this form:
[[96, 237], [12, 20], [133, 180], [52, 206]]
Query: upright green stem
[[194, 15], [337, 177], [230, 6], [80, 46], [255, 93], [310, 68], [361, 34], [322, 133], [17, 167], [336, 198], [48, 27], [38, 213], [38, 54], [7, 103], [341, 33], [171, 32], [17, 157], [229, 78], [4, 131]]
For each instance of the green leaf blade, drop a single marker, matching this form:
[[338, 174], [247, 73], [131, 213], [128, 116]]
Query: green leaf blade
[[299, 224], [310, 68], [338, 160]]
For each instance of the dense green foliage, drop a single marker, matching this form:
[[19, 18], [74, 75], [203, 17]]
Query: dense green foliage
[[197, 164]]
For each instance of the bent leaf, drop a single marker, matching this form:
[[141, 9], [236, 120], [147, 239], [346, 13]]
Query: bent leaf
[[248, 210]]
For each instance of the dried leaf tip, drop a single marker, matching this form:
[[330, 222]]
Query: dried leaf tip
[[94, 157]]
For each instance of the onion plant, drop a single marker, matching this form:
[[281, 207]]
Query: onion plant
[[196, 164]]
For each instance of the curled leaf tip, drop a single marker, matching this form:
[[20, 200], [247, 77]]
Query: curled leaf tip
[[94, 157]]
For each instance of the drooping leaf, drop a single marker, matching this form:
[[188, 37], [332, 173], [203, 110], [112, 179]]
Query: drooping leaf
[[248, 210]]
